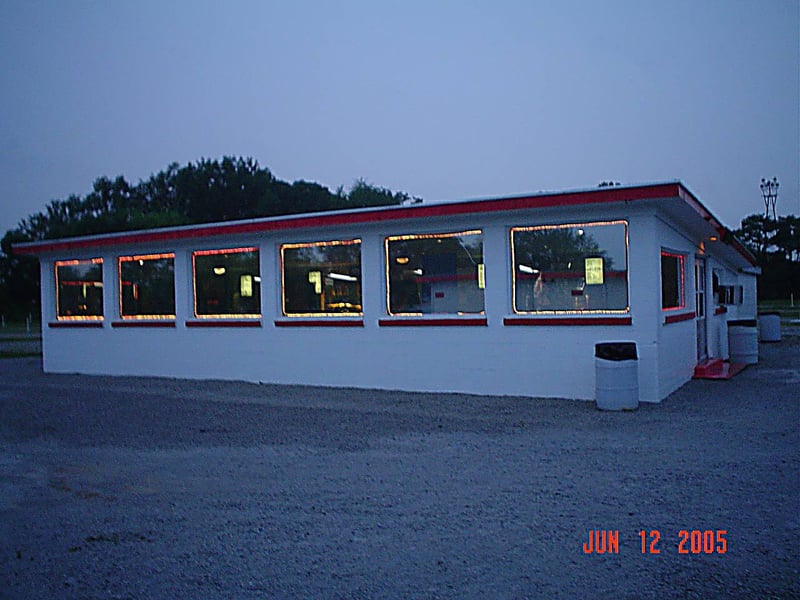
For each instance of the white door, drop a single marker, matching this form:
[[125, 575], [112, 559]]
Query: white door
[[700, 307]]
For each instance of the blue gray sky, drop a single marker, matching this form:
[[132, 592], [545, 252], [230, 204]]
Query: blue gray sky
[[443, 99]]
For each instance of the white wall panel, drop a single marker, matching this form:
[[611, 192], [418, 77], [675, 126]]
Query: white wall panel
[[548, 361]]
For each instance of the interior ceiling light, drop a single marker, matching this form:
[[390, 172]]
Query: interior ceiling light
[[401, 260], [341, 277], [219, 270]]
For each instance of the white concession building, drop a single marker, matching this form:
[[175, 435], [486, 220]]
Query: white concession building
[[502, 296]]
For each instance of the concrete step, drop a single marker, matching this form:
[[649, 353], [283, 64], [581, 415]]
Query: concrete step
[[716, 368]]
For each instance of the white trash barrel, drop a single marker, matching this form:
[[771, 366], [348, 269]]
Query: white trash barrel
[[769, 326], [616, 376], [743, 341]]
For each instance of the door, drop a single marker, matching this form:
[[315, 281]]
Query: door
[[700, 307]]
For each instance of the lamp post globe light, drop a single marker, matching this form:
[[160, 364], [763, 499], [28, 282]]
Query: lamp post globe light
[[769, 192]]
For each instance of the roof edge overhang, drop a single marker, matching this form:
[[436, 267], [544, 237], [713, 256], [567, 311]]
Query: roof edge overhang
[[725, 234], [632, 193]]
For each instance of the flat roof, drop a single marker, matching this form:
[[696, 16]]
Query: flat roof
[[545, 199]]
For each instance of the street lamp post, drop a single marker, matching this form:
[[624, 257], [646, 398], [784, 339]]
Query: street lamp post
[[769, 192]]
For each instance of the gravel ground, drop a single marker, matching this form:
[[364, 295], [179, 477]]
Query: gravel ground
[[160, 488]]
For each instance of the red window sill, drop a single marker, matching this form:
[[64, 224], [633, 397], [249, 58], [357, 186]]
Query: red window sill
[[223, 323], [441, 322], [720, 310], [570, 321], [669, 319], [330, 322], [76, 324], [142, 323]]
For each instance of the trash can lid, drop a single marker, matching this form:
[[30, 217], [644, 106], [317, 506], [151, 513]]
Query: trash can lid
[[616, 350], [769, 313], [743, 323]]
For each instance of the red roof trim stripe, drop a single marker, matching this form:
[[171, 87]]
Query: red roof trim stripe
[[601, 195], [361, 216], [723, 232]]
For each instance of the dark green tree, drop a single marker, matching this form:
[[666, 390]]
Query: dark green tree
[[201, 192], [776, 245]]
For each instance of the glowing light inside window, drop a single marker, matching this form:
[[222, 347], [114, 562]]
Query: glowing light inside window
[[147, 286], [570, 268], [340, 277], [246, 286], [435, 273], [321, 279], [79, 289], [594, 271], [315, 277], [226, 283]]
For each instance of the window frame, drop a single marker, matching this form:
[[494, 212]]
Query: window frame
[[730, 295], [320, 314], [226, 316], [144, 257], [72, 262], [434, 316], [681, 278], [572, 311]]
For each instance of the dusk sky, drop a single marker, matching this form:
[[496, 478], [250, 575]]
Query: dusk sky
[[444, 100]]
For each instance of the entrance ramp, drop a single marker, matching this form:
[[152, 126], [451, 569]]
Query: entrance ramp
[[716, 368]]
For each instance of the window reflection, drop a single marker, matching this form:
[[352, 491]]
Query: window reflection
[[321, 278], [435, 273], [570, 267], [79, 289], [147, 286], [227, 283], [672, 281]]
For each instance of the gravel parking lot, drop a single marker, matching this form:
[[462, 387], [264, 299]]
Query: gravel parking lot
[[161, 488]]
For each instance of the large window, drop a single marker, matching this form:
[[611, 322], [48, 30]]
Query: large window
[[672, 280], [79, 289], [147, 286], [570, 268], [227, 283], [435, 273], [321, 278]]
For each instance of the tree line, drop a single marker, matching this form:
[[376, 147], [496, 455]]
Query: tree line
[[776, 245], [201, 192], [239, 188]]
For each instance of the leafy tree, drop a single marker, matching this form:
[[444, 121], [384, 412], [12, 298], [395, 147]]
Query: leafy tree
[[201, 192], [786, 238], [776, 245], [19, 279], [557, 249], [364, 194]]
